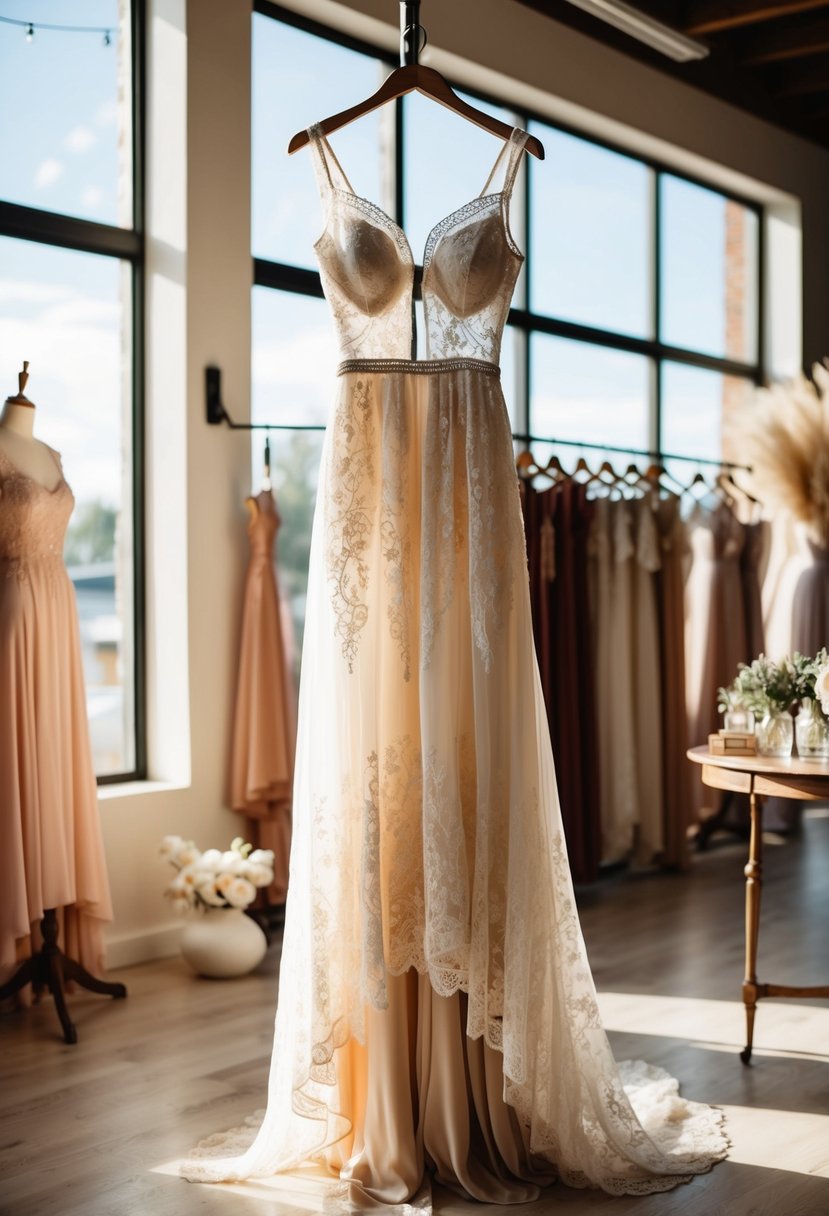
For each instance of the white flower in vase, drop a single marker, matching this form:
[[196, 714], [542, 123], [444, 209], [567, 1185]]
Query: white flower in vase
[[259, 875], [187, 854], [240, 892], [232, 862], [211, 859], [261, 857], [822, 687], [209, 892], [170, 846]]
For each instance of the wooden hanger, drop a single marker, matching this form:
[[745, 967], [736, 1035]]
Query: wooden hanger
[[698, 480], [407, 79], [528, 468], [600, 477]]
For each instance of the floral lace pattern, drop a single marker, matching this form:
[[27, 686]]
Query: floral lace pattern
[[350, 512], [470, 266]]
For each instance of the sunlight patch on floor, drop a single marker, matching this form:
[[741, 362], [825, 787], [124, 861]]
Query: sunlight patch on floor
[[779, 1026]]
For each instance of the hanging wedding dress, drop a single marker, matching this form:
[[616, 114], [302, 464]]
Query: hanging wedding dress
[[436, 1013]]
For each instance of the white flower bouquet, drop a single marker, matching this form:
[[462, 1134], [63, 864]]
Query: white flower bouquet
[[215, 879]]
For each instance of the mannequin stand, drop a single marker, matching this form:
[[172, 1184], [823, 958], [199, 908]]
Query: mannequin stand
[[49, 968]]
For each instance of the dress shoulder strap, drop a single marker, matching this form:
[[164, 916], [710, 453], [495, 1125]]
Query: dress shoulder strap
[[509, 156], [329, 171]]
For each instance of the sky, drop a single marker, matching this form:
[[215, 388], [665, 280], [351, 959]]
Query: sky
[[65, 311]]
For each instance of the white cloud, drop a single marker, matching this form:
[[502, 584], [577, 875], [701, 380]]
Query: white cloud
[[13, 291], [107, 114], [48, 172], [80, 139], [86, 311], [92, 197]]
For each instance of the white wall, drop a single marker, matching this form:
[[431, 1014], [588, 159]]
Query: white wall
[[198, 312]]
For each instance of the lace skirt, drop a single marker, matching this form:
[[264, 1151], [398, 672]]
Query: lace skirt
[[427, 833]]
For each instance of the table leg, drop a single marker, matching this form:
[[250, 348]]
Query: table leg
[[754, 884]]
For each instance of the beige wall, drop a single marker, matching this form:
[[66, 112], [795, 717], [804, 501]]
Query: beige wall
[[199, 281]]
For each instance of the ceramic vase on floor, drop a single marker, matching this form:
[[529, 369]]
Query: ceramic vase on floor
[[222, 943]]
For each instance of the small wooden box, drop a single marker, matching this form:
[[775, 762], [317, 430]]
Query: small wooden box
[[732, 743]]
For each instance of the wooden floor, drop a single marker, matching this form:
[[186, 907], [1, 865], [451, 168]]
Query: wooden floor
[[95, 1129]]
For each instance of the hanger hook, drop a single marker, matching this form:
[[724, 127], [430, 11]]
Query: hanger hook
[[412, 34]]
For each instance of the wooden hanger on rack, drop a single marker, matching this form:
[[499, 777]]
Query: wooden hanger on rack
[[528, 467], [412, 76]]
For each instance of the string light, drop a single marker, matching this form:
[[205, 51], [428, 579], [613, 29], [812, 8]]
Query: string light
[[31, 26]]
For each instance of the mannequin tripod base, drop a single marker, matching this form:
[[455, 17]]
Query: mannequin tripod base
[[50, 968]]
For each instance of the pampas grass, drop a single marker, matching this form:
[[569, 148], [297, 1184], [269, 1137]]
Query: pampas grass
[[785, 436]]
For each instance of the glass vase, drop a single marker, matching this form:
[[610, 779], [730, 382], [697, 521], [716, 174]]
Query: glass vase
[[739, 718], [812, 731], [775, 734]]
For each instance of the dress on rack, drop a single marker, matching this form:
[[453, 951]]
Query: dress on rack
[[52, 853], [715, 637], [557, 523], [264, 727], [437, 1015], [676, 773]]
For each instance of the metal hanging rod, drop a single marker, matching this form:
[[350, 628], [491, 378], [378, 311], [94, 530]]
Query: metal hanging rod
[[217, 414], [649, 452], [412, 33]]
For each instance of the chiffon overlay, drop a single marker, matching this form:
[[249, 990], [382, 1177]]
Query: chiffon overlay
[[52, 854], [264, 724], [436, 1014]]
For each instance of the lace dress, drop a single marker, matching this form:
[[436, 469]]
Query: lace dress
[[436, 1014]]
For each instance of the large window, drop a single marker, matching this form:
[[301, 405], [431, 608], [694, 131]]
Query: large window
[[70, 304], [636, 320]]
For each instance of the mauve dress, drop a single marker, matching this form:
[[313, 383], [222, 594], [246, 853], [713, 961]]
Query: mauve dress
[[52, 854], [557, 524]]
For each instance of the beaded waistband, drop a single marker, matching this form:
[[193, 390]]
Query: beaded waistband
[[419, 367]]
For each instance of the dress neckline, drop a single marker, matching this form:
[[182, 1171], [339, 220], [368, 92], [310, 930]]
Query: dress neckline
[[18, 472], [478, 202]]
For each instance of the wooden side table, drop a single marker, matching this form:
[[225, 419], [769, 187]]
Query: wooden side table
[[759, 777]]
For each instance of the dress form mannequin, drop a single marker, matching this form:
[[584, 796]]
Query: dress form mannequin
[[17, 441], [52, 867]]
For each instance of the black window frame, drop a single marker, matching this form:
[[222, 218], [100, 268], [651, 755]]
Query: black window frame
[[126, 244], [300, 280]]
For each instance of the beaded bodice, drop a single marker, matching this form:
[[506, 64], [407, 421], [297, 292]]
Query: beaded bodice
[[33, 519], [470, 266]]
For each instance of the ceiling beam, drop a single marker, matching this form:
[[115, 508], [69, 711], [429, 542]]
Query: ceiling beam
[[712, 16]]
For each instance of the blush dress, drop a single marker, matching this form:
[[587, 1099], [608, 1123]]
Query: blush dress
[[52, 854], [264, 722], [437, 1018]]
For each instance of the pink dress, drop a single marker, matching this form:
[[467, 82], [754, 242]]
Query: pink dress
[[264, 729], [52, 854]]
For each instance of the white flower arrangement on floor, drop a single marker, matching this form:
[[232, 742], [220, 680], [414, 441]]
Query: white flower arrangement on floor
[[214, 879]]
